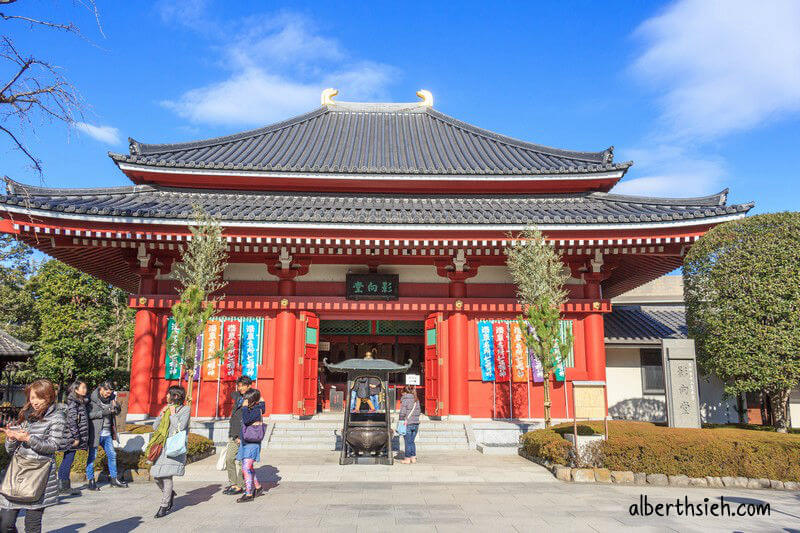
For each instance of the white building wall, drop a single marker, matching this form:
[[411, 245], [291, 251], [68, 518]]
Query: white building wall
[[627, 401], [794, 408], [624, 388]]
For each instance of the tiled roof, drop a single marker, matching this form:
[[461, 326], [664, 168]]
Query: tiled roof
[[147, 201], [357, 138], [11, 347], [645, 324]]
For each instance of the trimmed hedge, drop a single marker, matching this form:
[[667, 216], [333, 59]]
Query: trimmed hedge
[[548, 445], [646, 447], [196, 447]]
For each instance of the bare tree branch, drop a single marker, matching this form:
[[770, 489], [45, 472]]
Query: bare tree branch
[[24, 150], [66, 27], [37, 90]]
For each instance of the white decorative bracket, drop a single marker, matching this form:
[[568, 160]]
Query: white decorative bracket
[[285, 259], [459, 261], [597, 262], [142, 256]]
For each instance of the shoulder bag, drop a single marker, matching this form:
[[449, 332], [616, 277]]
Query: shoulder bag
[[401, 424], [26, 478], [253, 433], [176, 444]]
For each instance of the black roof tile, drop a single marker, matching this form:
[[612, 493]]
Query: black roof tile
[[12, 347], [358, 138], [147, 201], [641, 324]]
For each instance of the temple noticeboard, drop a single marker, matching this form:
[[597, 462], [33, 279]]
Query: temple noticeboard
[[372, 286]]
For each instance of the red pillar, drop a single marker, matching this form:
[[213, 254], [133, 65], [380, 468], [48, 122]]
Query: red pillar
[[283, 384], [458, 364], [594, 332], [595, 347], [142, 362]]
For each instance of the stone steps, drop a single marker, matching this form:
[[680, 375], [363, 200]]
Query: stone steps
[[326, 435]]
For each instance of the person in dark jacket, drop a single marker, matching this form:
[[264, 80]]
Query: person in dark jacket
[[103, 411], [77, 432], [235, 476], [409, 411], [39, 434], [253, 410]]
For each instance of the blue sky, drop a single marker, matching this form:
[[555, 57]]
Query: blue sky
[[702, 95]]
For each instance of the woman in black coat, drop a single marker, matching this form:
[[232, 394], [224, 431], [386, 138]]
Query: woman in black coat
[[77, 432]]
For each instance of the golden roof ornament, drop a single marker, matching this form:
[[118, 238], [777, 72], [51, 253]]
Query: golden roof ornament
[[327, 96], [427, 97]]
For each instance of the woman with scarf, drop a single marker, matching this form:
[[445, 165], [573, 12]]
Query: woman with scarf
[[173, 419], [38, 434], [77, 432]]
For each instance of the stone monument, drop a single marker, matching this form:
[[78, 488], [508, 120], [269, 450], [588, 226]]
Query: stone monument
[[680, 383]]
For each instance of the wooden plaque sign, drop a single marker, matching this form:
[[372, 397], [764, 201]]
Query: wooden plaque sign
[[372, 287], [589, 400]]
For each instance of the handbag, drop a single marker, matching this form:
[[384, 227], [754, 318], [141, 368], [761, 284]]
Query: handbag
[[155, 452], [176, 444], [253, 433], [402, 427], [26, 479], [221, 460]]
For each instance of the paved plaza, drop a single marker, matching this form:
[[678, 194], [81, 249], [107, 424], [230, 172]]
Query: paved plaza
[[309, 491]]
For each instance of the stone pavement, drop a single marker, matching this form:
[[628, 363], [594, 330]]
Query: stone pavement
[[309, 491]]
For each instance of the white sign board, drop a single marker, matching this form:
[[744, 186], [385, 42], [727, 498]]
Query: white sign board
[[412, 379]]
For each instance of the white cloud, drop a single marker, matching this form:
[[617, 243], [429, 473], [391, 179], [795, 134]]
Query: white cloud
[[722, 65], [275, 68], [106, 134], [673, 171]]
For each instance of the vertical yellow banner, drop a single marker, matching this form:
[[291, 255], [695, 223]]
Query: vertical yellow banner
[[519, 355]]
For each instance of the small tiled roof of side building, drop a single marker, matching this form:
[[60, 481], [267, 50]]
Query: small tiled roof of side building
[[11, 347], [641, 324], [150, 201], [371, 138]]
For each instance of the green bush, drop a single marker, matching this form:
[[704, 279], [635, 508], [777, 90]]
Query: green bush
[[548, 445], [646, 447]]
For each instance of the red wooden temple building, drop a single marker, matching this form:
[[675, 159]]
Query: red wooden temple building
[[323, 210]]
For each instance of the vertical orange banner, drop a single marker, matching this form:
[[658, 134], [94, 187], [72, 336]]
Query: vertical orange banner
[[519, 355], [211, 344]]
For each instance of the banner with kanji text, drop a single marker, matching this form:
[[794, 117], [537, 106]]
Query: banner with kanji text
[[519, 353], [172, 364], [251, 347], [231, 339], [501, 355], [486, 350], [211, 345]]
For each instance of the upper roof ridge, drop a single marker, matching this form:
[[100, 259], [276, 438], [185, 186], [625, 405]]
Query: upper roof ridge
[[718, 199], [386, 138], [16, 188], [138, 148]]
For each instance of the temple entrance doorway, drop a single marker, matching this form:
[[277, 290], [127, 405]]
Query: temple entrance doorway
[[394, 340]]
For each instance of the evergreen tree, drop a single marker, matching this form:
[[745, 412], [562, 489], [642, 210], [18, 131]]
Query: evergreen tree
[[540, 276], [742, 288], [200, 275]]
